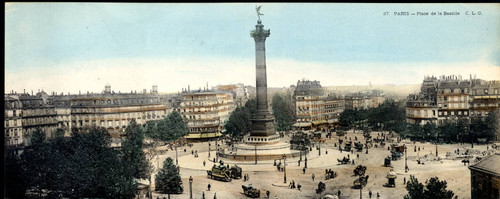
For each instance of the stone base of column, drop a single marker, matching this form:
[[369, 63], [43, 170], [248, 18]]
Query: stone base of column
[[262, 124]]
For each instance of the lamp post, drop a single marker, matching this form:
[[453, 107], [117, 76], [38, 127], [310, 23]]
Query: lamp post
[[360, 190], [406, 159], [305, 161], [437, 138], [190, 187], [209, 149], [319, 148], [284, 168], [217, 145]]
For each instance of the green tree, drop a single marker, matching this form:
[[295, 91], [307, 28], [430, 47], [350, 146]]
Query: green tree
[[434, 188], [132, 151], [35, 162], [251, 106], [15, 178], [59, 133], [83, 166], [175, 126], [348, 117], [430, 130], [238, 123], [492, 125], [168, 180], [283, 113]]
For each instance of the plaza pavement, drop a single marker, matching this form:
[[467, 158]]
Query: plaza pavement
[[264, 175]]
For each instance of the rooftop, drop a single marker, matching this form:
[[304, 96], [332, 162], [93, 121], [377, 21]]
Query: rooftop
[[488, 165]]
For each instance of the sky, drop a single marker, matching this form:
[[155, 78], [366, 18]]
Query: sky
[[72, 47]]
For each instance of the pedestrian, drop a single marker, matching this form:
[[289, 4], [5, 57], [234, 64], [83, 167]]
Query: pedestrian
[[204, 162], [184, 150], [298, 186], [313, 176], [418, 149], [353, 162], [404, 180], [209, 186], [348, 156], [357, 155], [326, 151], [268, 193], [192, 152], [339, 193], [378, 195], [274, 162], [370, 193], [303, 170], [245, 178], [215, 195], [203, 195]]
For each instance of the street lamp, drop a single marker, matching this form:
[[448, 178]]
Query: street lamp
[[284, 168], [406, 159], [305, 161], [361, 189], [176, 160], [437, 138], [190, 187], [217, 145], [319, 148], [209, 149]]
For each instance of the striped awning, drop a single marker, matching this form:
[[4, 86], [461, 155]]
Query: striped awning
[[302, 124], [319, 122], [202, 135]]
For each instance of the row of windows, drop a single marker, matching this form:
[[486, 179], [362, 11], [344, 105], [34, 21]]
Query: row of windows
[[446, 113], [115, 101]]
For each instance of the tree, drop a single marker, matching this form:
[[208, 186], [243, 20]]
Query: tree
[[80, 167], [15, 180], [59, 133], [430, 130], [348, 117], [35, 162], [433, 189], [168, 180], [251, 106], [283, 113], [132, 151], [176, 127], [238, 123], [492, 125]]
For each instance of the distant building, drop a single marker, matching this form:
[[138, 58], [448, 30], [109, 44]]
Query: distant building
[[485, 178], [364, 99], [239, 91], [452, 98], [313, 108], [25, 113], [205, 112]]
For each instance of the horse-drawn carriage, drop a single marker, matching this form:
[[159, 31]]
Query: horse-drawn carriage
[[330, 174], [343, 160], [360, 170], [250, 191]]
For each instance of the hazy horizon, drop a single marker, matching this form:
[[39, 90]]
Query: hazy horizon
[[72, 47]]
